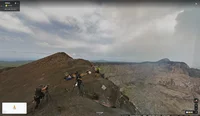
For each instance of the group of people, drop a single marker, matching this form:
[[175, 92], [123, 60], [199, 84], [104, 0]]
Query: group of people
[[76, 75], [40, 92]]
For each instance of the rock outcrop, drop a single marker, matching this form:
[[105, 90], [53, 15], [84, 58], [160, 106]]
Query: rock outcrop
[[162, 87]]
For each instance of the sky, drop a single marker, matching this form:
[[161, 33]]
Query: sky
[[114, 32]]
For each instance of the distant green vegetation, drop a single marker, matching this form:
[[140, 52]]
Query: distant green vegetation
[[4, 64]]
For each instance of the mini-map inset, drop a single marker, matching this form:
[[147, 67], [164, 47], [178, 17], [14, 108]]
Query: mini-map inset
[[195, 111], [9, 5]]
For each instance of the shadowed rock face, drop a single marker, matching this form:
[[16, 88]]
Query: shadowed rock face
[[194, 72], [19, 84], [162, 87]]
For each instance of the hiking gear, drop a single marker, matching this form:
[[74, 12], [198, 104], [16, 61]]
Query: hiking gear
[[73, 75], [78, 76], [89, 72], [76, 84], [39, 93], [69, 77], [66, 74], [97, 70]]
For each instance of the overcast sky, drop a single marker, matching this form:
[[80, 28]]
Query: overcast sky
[[135, 33]]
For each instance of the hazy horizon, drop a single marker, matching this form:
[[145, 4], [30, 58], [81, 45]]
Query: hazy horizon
[[98, 60], [112, 32]]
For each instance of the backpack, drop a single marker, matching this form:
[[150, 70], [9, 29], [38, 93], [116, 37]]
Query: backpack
[[38, 92], [78, 76]]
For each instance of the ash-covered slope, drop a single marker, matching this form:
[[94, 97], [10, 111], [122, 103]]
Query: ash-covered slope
[[162, 87], [18, 84]]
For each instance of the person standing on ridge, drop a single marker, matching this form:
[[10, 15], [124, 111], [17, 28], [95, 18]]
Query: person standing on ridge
[[79, 82], [97, 70]]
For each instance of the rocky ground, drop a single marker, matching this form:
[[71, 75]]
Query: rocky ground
[[162, 87], [18, 84]]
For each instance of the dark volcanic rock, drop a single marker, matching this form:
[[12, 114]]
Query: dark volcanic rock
[[165, 60], [194, 72], [163, 87], [19, 83]]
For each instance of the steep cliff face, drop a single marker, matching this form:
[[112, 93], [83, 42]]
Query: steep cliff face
[[162, 87], [18, 84], [110, 97]]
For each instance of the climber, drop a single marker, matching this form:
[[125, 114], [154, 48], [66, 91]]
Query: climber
[[79, 82], [97, 70], [39, 94]]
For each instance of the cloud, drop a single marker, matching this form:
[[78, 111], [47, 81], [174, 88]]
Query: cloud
[[34, 14], [12, 23], [55, 41], [134, 34], [110, 32], [188, 29]]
